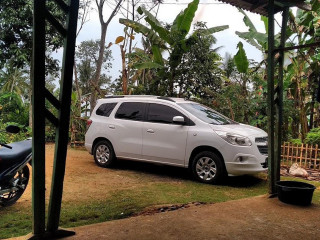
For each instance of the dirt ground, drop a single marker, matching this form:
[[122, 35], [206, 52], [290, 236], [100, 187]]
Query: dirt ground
[[253, 218], [80, 167]]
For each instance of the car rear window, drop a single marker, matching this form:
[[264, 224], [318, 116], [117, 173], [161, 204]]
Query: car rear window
[[105, 109], [131, 111]]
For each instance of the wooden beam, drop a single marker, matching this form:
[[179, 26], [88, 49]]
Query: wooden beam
[[279, 105], [38, 119], [270, 100], [62, 132], [309, 45]]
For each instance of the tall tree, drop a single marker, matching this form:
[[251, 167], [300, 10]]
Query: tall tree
[[199, 73], [125, 42], [104, 27], [16, 33], [87, 55], [14, 80]]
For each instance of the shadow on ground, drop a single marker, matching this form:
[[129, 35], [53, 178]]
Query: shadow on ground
[[178, 173]]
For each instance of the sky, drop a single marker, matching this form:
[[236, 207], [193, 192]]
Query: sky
[[212, 12]]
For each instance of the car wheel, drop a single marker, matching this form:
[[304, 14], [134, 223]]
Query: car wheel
[[207, 167], [103, 154]]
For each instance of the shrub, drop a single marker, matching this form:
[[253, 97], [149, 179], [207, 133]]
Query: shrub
[[313, 137], [296, 141], [25, 132]]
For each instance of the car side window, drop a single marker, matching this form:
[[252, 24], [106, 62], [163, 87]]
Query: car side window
[[131, 111], [162, 114], [105, 109]]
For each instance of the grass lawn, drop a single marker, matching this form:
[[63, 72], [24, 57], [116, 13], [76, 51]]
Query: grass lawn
[[121, 202]]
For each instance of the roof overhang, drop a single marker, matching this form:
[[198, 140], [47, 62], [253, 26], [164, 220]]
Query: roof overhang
[[261, 6]]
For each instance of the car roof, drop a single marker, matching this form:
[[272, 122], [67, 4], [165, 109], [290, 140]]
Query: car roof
[[142, 98]]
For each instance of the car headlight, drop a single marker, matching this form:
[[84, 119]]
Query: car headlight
[[234, 139]]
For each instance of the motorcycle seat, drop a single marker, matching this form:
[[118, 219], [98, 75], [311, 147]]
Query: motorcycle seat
[[20, 150]]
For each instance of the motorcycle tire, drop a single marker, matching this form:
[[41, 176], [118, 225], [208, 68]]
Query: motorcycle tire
[[11, 197]]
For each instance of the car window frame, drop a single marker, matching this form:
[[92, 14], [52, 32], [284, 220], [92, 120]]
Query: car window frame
[[188, 121], [114, 107], [126, 119]]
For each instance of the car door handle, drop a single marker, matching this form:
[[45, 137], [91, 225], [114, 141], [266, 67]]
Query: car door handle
[[112, 126], [150, 131]]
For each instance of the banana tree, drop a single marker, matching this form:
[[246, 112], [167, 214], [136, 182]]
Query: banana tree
[[174, 39], [305, 67], [258, 39]]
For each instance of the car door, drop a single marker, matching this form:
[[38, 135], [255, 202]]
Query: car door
[[163, 140], [127, 129]]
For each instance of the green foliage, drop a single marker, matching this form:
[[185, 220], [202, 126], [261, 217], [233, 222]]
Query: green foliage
[[16, 33], [199, 74], [146, 65], [313, 137], [241, 59], [145, 31], [172, 38], [12, 109], [25, 132], [14, 80], [182, 22], [86, 58], [296, 141]]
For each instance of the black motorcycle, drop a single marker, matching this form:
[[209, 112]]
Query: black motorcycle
[[14, 172]]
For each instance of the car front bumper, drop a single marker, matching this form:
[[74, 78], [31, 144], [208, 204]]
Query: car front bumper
[[247, 164]]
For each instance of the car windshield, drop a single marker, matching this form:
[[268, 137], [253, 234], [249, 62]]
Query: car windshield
[[206, 114]]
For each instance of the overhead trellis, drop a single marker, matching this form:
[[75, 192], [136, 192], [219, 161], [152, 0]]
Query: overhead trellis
[[40, 94]]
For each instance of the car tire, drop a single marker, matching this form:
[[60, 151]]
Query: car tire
[[103, 154], [207, 167]]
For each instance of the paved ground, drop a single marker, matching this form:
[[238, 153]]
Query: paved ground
[[253, 218]]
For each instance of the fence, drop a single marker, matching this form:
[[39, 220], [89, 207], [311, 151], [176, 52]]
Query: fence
[[307, 156]]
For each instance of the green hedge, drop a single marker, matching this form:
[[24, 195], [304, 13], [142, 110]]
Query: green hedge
[[5, 137], [313, 137]]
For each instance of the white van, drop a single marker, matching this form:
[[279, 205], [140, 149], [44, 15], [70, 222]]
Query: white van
[[177, 132]]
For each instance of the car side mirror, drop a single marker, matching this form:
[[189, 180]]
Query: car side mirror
[[12, 129], [178, 119]]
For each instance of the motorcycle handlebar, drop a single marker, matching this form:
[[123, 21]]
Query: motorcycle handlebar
[[5, 145]]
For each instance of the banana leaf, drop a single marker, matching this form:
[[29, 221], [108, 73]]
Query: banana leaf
[[241, 59], [147, 32], [247, 36], [157, 55], [212, 30], [147, 65], [156, 25], [247, 21], [183, 21]]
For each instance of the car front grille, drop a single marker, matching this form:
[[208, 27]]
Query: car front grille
[[263, 150], [261, 139]]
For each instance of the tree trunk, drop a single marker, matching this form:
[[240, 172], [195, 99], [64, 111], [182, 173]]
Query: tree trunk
[[312, 108], [77, 87], [124, 71], [95, 81], [304, 124], [231, 110]]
